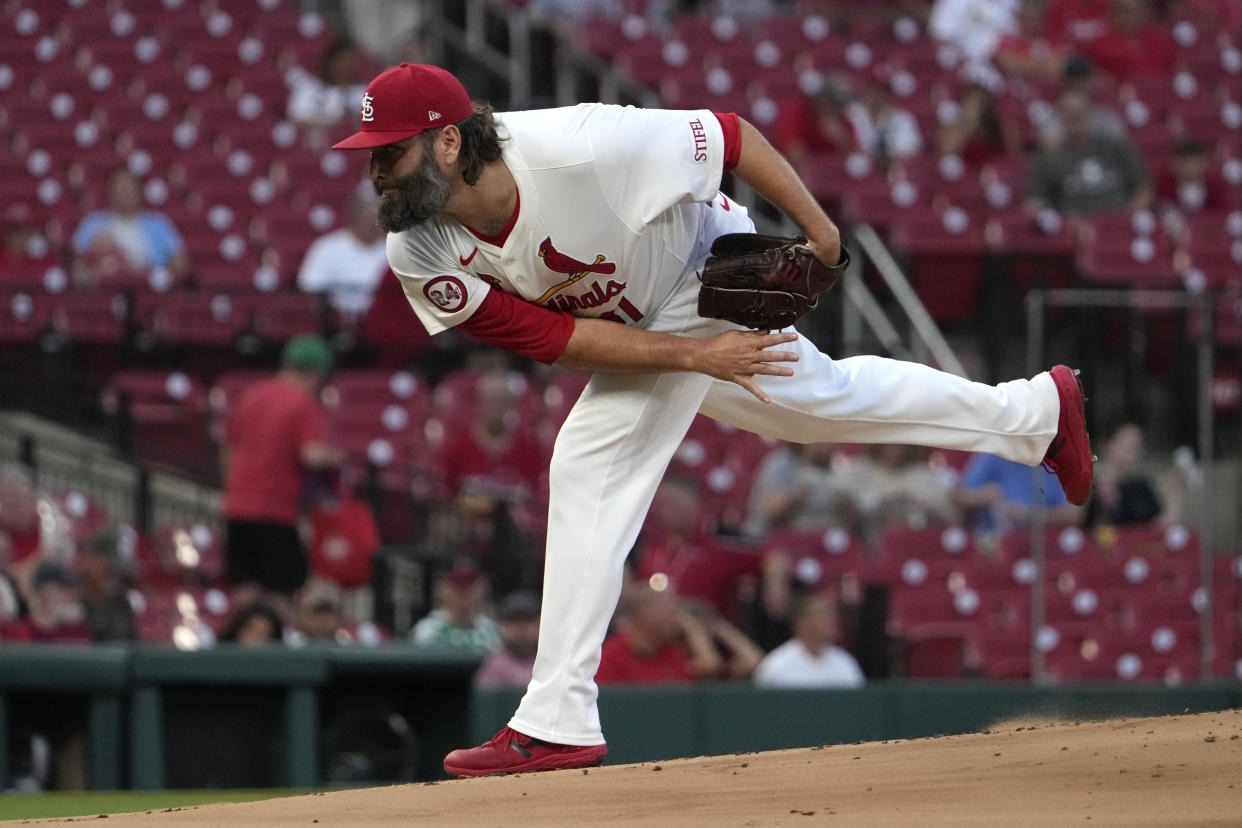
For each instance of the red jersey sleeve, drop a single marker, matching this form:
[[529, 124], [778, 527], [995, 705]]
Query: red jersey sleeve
[[519, 326], [732, 128]]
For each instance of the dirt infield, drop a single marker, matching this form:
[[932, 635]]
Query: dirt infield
[[1179, 770]]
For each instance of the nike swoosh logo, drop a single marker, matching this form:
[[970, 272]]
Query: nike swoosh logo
[[468, 259], [724, 202]]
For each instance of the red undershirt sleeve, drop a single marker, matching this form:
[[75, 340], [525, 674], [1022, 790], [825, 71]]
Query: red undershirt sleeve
[[732, 138], [519, 326]]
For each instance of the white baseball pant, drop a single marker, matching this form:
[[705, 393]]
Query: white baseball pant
[[613, 449]]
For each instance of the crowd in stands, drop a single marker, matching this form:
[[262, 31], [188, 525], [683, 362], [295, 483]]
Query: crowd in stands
[[757, 560], [774, 591]]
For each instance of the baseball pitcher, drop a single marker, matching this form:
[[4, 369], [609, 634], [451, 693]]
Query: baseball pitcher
[[582, 236]]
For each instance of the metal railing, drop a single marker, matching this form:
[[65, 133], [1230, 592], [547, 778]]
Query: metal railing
[[64, 460], [927, 342]]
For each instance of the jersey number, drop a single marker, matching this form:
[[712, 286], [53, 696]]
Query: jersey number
[[627, 307]]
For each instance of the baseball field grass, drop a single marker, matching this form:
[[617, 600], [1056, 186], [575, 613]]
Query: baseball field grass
[[93, 803]]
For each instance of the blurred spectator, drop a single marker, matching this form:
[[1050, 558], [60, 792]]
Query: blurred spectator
[[458, 622], [880, 128], [12, 607], [105, 590], [492, 457], [796, 488], [1000, 494], [813, 121], [1075, 22], [31, 529], [343, 538], [275, 435], [253, 625], [1188, 184], [320, 618], [1029, 52], [811, 658], [392, 29], [1087, 173], [896, 486], [319, 102], [24, 252], [678, 553], [1123, 493], [124, 238], [1077, 74], [348, 263], [20, 527], [982, 131], [513, 663], [657, 641], [54, 608], [973, 27], [1135, 45]]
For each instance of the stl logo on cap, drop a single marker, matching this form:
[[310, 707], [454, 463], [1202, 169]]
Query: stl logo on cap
[[405, 100]]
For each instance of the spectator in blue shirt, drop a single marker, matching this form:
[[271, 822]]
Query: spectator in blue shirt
[[125, 238], [1000, 495]]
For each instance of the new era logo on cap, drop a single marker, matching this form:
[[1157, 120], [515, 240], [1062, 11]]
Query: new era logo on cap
[[405, 100]]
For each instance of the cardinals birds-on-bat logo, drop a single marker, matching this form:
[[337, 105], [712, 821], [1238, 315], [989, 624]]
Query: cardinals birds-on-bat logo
[[558, 262]]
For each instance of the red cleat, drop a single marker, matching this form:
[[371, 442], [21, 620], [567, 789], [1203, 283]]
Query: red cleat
[[1069, 453], [513, 752]]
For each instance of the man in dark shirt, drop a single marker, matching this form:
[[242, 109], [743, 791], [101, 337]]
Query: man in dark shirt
[[101, 564], [1087, 172]]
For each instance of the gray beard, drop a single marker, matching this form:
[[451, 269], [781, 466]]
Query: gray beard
[[420, 195]]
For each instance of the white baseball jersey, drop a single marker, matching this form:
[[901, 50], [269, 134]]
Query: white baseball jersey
[[615, 208]]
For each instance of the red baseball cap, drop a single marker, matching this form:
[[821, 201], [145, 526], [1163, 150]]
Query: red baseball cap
[[404, 101]]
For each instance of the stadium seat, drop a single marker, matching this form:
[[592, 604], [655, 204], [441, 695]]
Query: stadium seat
[[191, 554], [168, 415], [23, 316], [819, 557], [948, 256]]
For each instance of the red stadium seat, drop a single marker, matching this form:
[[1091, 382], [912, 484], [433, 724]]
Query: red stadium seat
[[23, 316], [192, 554], [948, 258]]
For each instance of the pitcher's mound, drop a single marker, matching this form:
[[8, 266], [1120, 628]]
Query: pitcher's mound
[[1179, 770]]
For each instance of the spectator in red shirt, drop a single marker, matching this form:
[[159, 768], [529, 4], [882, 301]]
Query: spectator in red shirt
[[276, 434], [1134, 46], [664, 639], [1077, 21], [56, 613], [23, 253], [493, 458], [26, 538], [1188, 184], [1030, 52], [678, 552], [813, 121], [981, 132], [657, 642], [19, 516]]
